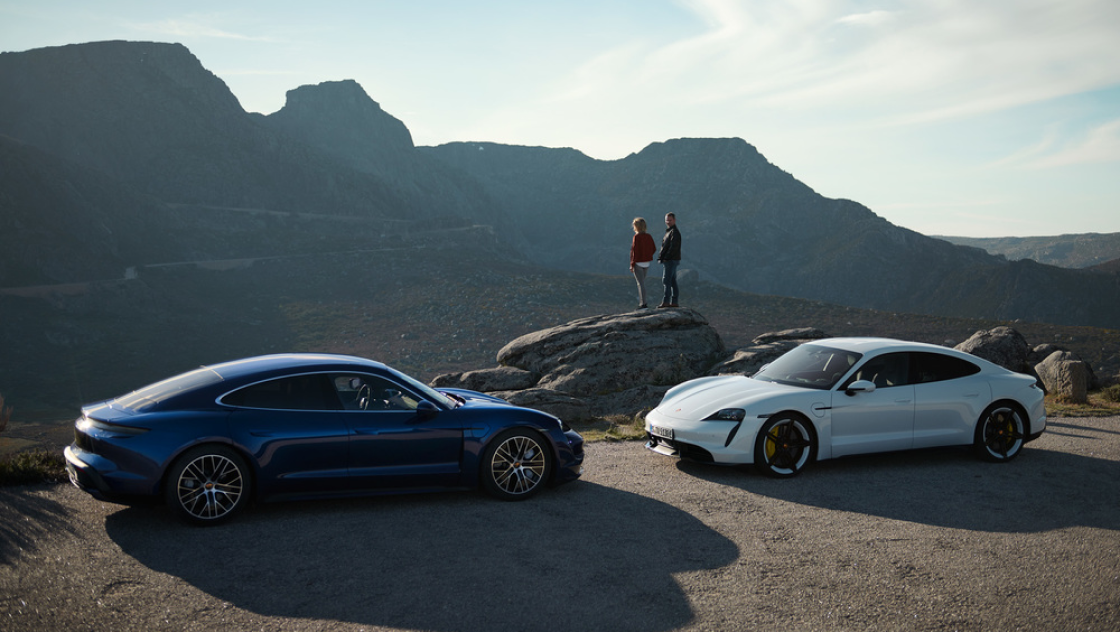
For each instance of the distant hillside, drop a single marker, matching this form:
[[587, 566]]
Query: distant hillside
[[1067, 251], [138, 142], [749, 225]]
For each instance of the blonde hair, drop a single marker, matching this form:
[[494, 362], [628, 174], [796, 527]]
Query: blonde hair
[[640, 224]]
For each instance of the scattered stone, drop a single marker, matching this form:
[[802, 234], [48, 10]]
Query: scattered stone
[[1003, 346], [1065, 376]]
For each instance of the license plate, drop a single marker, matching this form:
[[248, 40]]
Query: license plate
[[661, 431]]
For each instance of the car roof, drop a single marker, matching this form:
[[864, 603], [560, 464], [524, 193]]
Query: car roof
[[281, 361], [876, 346]]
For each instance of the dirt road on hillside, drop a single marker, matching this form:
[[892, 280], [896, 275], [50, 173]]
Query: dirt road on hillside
[[933, 540]]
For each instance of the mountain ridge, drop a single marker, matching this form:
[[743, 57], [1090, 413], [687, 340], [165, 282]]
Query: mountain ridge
[[152, 118]]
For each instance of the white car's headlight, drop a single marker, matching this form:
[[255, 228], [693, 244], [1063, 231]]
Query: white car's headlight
[[727, 414]]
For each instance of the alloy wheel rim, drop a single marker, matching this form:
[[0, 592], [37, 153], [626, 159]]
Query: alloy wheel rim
[[518, 465], [210, 487]]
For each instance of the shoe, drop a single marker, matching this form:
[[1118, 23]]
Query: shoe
[[673, 305], [643, 306], [663, 305]]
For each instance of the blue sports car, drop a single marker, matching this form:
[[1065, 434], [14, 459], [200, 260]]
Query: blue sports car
[[297, 426]]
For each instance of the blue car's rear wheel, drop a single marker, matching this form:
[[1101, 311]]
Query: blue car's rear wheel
[[208, 485], [1000, 433], [516, 464], [785, 445]]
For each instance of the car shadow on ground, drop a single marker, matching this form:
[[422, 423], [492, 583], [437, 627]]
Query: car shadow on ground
[[1038, 491], [27, 517], [581, 556]]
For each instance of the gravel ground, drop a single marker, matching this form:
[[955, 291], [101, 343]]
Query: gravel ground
[[932, 540]]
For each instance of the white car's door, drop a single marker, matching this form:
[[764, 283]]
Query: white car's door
[[879, 421]]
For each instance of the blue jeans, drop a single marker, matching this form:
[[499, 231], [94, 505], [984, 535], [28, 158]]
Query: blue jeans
[[672, 295]]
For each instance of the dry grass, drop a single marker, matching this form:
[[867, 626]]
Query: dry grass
[[1103, 403], [612, 428]]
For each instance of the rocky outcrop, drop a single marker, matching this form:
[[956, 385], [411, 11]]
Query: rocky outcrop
[[607, 364], [623, 364]]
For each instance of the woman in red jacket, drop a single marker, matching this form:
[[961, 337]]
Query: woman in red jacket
[[642, 250]]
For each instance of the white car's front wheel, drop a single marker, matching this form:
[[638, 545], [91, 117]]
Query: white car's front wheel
[[785, 445]]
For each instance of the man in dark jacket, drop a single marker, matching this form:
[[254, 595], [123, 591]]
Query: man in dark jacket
[[670, 257]]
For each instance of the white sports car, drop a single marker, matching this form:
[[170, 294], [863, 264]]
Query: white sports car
[[842, 396]]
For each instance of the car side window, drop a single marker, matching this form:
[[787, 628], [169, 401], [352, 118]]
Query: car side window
[[936, 367], [370, 392], [300, 392], [885, 371]]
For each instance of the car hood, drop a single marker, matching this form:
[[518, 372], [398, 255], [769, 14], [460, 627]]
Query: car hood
[[475, 396], [699, 398]]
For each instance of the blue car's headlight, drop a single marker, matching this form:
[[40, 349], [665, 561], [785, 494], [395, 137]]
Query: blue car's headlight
[[727, 414]]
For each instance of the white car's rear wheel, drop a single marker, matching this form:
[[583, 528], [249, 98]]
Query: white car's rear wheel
[[1000, 433]]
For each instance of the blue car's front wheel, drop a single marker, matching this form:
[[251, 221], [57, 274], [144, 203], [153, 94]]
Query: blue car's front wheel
[[516, 464], [208, 485]]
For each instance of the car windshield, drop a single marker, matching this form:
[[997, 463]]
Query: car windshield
[[155, 393], [809, 366], [427, 392]]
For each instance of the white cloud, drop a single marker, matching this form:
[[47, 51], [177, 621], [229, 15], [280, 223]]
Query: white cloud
[[1099, 145], [870, 18], [192, 28], [924, 62]]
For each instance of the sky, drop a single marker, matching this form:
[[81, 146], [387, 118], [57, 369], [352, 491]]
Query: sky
[[977, 118]]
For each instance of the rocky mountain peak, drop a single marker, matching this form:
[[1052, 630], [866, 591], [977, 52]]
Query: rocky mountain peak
[[339, 118]]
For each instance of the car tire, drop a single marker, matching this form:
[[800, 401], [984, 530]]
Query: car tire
[[1000, 433], [516, 464], [208, 485], [785, 445]]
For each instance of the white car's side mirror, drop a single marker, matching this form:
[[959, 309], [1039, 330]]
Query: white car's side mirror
[[860, 386]]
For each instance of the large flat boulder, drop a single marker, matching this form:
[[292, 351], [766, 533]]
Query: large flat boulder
[[615, 352], [599, 366]]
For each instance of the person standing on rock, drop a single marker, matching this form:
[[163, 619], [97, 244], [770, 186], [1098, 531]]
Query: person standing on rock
[[670, 257], [642, 249]]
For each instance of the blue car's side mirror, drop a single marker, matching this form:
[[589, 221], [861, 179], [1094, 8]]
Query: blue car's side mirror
[[426, 410]]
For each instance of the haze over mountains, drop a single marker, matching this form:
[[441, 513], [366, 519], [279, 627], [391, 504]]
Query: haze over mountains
[[1086, 250], [125, 154]]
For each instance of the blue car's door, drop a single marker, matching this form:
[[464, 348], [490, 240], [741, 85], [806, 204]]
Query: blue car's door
[[394, 441], [295, 430]]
